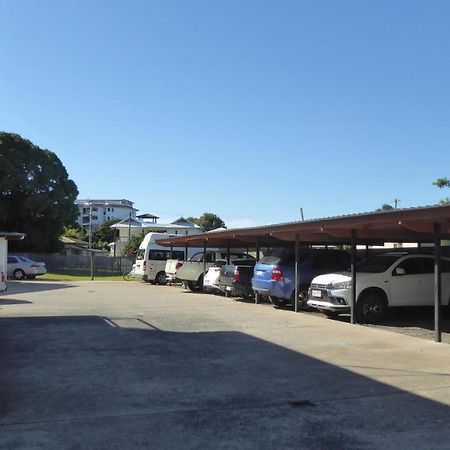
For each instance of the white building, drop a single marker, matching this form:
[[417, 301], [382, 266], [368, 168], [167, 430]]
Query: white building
[[94, 212], [149, 223]]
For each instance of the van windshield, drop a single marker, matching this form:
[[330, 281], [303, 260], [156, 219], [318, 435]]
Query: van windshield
[[140, 254]]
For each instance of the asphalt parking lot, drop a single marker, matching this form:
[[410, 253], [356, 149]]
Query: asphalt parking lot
[[101, 365]]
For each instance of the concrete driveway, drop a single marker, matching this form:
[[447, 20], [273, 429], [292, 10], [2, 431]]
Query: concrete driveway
[[120, 365]]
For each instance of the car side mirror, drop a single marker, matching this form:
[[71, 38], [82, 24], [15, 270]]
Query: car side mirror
[[400, 271]]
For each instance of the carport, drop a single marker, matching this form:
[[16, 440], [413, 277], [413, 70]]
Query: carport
[[417, 225]]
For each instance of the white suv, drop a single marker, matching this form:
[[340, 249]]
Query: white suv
[[383, 280]]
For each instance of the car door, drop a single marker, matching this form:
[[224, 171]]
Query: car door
[[407, 282], [13, 264]]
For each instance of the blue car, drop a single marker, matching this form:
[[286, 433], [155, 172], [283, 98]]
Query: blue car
[[274, 274]]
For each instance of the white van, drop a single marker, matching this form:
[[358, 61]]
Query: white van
[[151, 258]]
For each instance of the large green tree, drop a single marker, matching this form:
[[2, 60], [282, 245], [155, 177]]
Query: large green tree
[[208, 221], [37, 196]]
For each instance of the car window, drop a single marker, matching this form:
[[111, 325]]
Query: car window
[[427, 265], [12, 259], [210, 257], [177, 254], [279, 256], [25, 259], [140, 254], [197, 257], [376, 263], [411, 266], [445, 265]]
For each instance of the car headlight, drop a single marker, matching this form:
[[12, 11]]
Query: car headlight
[[342, 285]]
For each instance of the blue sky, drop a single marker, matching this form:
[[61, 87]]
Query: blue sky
[[248, 109]]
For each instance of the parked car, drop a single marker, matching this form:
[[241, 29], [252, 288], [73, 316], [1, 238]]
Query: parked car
[[236, 280], [191, 272], [211, 278], [21, 267], [2, 282], [172, 265], [274, 274], [382, 281]]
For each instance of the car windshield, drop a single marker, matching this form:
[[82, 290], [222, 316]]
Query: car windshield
[[376, 263], [140, 254]]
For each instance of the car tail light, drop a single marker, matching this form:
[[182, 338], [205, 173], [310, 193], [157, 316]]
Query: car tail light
[[144, 266], [236, 276], [178, 265], [35, 266], [277, 274]]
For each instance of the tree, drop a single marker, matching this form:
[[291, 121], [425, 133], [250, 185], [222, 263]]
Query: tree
[[442, 183], [104, 234], [133, 244], [208, 221], [37, 197], [385, 207], [75, 232]]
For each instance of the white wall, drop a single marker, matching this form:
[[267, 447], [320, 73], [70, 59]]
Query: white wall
[[3, 255]]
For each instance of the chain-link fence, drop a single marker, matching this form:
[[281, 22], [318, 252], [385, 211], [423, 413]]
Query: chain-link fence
[[77, 264]]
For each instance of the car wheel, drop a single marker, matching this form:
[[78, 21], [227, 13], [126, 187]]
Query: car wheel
[[302, 298], [370, 308], [280, 302], [161, 278], [196, 286], [331, 314], [19, 274]]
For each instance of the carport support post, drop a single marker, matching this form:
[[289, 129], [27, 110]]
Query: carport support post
[[204, 258], [186, 252], [296, 275], [257, 259], [437, 282], [92, 264], [228, 262], [353, 270]]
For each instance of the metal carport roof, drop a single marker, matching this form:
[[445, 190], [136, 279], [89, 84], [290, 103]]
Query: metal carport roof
[[401, 225]]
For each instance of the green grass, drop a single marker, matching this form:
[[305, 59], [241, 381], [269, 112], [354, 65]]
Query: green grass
[[78, 277]]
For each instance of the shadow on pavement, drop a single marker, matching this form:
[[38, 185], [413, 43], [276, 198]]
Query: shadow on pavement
[[11, 301], [21, 287], [112, 382]]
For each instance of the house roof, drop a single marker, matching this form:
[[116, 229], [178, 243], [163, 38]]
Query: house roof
[[401, 225], [184, 222], [147, 216], [12, 236], [72, 241]]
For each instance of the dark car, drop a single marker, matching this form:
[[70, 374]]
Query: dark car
[[274, 274], [236, 280]]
